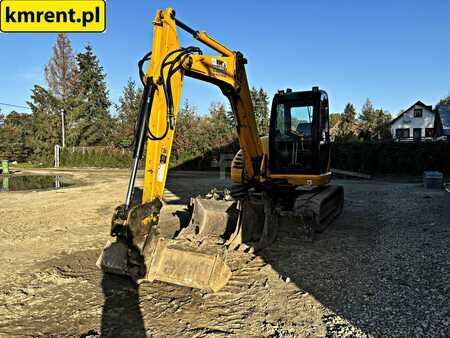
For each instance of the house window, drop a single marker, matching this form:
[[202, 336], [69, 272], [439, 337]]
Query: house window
[[417, 133], [402, 133], [429, 132], [417, 112]]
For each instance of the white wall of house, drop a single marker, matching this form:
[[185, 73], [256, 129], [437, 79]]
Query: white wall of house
[[409, 121]]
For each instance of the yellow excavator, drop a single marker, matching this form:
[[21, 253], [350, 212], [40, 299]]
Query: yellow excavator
[[283, 177]]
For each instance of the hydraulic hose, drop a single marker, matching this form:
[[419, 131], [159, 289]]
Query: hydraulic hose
[[142, 128]]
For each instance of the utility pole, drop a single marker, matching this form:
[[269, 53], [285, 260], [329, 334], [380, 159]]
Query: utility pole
[[62, 129]]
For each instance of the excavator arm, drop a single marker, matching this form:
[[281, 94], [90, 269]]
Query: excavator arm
[[164, 80]]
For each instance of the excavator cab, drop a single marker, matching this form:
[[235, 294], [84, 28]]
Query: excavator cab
[[299, 138]]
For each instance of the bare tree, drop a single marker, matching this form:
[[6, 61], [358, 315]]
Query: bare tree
[[61, 70], [61, 75]]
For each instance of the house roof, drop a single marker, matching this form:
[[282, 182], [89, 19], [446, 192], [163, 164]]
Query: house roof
[[418, 103], [444, 114]]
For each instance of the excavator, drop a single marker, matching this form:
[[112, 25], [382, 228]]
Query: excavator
[[282, 178]]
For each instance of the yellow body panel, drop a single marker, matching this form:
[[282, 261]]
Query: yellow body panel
[[238, 176], [165, 40], [221, 68], [304, 180], [226, 71]]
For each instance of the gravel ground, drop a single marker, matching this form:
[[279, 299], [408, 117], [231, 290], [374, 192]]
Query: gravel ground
[[382, 269], [385, 264]]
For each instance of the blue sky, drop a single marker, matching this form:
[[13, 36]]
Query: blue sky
[[393, 52]]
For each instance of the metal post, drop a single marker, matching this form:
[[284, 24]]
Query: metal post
[[63, 133], [5, 167], [5, 183], [57, 155]]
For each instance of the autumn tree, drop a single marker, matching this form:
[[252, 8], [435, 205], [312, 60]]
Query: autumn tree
[[92, 123], [335, 119]]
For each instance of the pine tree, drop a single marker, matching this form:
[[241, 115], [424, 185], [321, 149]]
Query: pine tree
[[92, 123], [46, 128], [128, 108], [260, 101], [186, 132], [382, 129], [347, 122], [15, 131], [221, 132], [367, 119]]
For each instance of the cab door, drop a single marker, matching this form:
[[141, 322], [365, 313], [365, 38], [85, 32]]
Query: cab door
[[324, 135]]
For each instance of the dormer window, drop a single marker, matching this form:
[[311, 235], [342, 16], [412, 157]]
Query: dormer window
[[417, 112]]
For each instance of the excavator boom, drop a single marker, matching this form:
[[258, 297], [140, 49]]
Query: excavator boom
[[168, 64]]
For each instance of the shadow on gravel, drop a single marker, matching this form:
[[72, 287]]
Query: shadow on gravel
[[121, 316], [383, 265]]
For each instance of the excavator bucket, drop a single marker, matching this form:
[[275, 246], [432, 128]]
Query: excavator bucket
[[192, 258], [175, 264]]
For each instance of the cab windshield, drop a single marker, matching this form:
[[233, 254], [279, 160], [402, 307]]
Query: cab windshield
[[294, 119]]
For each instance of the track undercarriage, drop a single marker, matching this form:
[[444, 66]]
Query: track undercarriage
[[190, 250]]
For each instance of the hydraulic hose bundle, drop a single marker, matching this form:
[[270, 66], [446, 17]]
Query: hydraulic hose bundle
[[142, 130]]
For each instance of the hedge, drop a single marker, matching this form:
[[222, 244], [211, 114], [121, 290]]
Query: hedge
[[399, 158]]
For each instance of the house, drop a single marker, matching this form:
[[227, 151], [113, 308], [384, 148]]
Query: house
[[442, 122], [414, 123]]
